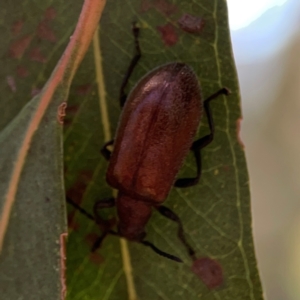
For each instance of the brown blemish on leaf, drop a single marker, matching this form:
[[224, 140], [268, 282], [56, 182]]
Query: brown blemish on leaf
[[63, 239], [71, 223], [145, 5], [83, 89], [45, 32], [162, 6], [22, 71], [238, 131], [209, 271], [50, 14], [96, 258], [18, 47], [77, 190], [226, 168], [11, 83], [191, 24], [36, 55], [168, 34], [61, 112], [165, 7], [72, 109], [17, 27], [91, 238]]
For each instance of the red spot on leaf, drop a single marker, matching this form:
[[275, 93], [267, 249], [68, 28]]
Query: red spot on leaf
[[18, 47], [72, 109], [83, 89], [168, 34], [11, 83], [77, 190], [226, 168], [36, 55], [209, 271], [71, 223], [145, 5], [45, 32], [96, 258], [17, 27], [191, 24], [163, 6], [50, 13], [238, 131], [91, 238], [22, 71]]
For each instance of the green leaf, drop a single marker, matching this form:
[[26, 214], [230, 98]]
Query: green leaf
[[215, 213], [32, 197], [36, 225]]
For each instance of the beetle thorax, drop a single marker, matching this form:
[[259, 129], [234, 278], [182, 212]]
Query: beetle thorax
[[133, 216]]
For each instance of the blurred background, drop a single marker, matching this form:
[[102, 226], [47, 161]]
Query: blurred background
[[266, 45]]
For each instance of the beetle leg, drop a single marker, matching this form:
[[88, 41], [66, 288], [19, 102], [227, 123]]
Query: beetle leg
[[133, 63], [159, 252], [105, 203], [104, 225], [168, 213], [202, 142], [83, 211], [99, 240], [104, 151]]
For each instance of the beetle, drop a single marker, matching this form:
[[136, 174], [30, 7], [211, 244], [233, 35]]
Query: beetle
[[156, 131]]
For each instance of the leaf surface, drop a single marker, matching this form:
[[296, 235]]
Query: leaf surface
[[32, 197]]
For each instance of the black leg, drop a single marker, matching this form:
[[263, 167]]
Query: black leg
[[104, 151], [168, 213], [98, 242], [134, 61], [161, 253], [105, 203], [202, 142], [83, 211], [106, 227], [103, 224]]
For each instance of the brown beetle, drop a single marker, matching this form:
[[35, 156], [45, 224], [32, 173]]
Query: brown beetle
[[156, 130]]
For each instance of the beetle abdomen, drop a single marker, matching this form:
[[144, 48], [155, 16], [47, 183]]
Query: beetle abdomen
[[155, 132]]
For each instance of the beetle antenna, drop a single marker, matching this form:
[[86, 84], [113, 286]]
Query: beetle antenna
[[160, 252], [133, 63]]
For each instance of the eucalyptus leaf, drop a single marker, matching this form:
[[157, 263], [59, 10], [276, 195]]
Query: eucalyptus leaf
[[216, 213]]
